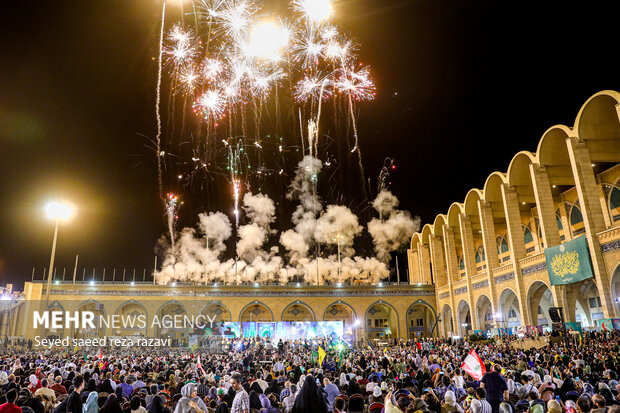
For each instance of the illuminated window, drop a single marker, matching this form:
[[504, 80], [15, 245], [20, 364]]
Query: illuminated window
[[576, 220]]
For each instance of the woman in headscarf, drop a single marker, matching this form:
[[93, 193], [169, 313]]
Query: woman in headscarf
[[35, 384], [212, 393], [553, 406], [189, 402], [157, 405], [342, 381], [255, 400], [224, 404], [256, 387], [450, 405], [266, 405], [354, 388], [91, 405], [310, 399], [135, 406], [91, 386], [172, 382], [111, 405]]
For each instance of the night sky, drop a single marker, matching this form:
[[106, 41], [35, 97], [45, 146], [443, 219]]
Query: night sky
[[462, 86]]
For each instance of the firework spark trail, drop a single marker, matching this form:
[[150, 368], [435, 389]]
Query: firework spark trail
[[236, 63], [172, 208], [157, 102]]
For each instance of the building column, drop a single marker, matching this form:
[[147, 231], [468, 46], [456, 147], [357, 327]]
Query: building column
[[436, 250], [425, 263], [414, 267], [490, 245], [451, 259], [593, 220], [547, 220], [451, 264], [467, 241], [517, 246], [439, 269]]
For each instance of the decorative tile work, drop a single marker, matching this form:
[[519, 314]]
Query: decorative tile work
[[444, 295], [257, 311], [295, 311], [334, 311], [505, 277], [481, 284], [460, 290], [373, 310], [610, 246], [534, 268], [285, 293]]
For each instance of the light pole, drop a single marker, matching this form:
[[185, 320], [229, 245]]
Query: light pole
[[338, 236], [56, 211]]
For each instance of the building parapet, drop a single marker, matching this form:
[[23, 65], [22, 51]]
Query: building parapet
[[609, 239]]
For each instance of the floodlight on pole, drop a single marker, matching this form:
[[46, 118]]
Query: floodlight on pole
[[57, 211]]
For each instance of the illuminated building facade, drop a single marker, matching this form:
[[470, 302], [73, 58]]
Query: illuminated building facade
[[486, 255]]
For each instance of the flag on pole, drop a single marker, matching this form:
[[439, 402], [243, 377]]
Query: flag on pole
[[474, 366], [199, 365], [321, 356]]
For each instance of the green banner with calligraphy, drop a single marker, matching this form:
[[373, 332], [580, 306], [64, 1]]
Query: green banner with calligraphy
[[570, 262]]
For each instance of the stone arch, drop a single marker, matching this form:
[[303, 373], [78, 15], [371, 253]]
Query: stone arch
[[484, 312], [552, 154], [131, 330], [208, 304], [452, 219], [258, 304], [428, 317], [598, 125], [389, 321], [463, 315], [99, 330], [415, 239], [539, 300], [294, 318], [346, 314], [50, 332], [180, 334], [342, 303], [612, 191], [447, 322], [442, 277], [518, 174], [171, 302], [427, 233], [583, 302], [508, 308]]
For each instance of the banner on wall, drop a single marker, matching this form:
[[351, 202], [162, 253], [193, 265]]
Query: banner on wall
[[608, 324], [294, 329], [570, 262], [574, 327]]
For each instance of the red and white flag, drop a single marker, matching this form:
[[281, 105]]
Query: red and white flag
[[199, 365], [474, 366]]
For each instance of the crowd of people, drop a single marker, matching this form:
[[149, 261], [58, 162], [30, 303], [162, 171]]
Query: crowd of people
[[423, 376]]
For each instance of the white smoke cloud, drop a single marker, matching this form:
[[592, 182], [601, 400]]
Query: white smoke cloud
[[195, 256], [393, 230], [338, 226], [260, 210], [217, 229]]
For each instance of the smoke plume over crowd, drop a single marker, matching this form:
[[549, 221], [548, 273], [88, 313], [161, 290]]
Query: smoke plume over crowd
[[308, 252]]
